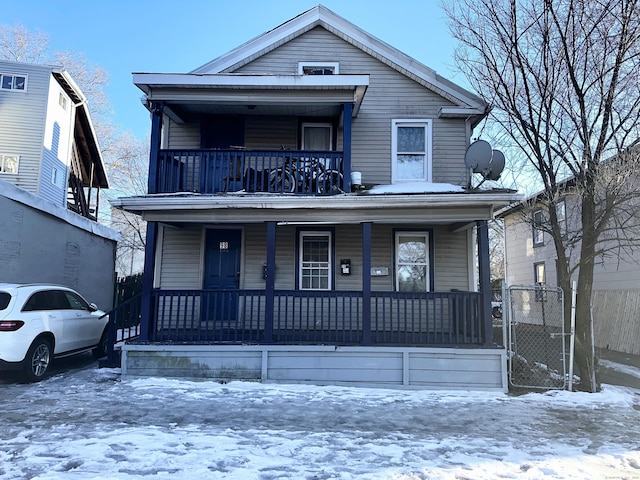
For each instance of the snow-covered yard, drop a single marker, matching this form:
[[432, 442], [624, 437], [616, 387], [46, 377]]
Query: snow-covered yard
[[88, 424]]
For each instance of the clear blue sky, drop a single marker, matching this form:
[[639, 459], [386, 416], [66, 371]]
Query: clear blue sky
[[125, 36]]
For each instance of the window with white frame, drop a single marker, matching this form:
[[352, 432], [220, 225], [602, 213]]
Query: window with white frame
[[538, 231], [13, 82], [9, 164], [412, 261], [410, 150], [315, 259], [561, 214], [318, 68], [62, 101]]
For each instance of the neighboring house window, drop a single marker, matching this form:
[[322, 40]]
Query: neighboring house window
[[58, 177], [13, 82], [315, 261], [325, 68], [412, 261], [9, 164], [411, 150], [317, 136], [539, 278], [538, 232], [561, 213], [62, 100]]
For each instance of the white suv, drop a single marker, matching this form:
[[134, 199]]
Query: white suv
[[41, 322]]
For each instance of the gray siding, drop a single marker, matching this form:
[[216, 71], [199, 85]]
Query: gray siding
[[390, 95], [181, 136], [181, 265], [22, 121]]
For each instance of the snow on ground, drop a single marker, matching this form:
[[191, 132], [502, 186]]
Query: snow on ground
[[87, 423], [618, 367]]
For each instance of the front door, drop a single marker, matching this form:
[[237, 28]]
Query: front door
[[222, 273]]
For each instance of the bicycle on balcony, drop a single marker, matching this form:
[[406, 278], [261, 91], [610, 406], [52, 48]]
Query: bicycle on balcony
[[305, 175]]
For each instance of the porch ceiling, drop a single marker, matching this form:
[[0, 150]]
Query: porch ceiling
[[454, 209], [303, 95]]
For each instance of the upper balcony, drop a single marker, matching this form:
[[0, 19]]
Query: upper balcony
[[210, 171]]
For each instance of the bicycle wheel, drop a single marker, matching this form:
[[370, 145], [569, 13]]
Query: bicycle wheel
[[329, 182], [281, 181]]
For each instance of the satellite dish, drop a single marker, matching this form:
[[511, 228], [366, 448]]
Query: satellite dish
[[495, 166], [478, 156]]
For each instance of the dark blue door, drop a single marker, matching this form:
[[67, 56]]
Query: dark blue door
[[222, 273]]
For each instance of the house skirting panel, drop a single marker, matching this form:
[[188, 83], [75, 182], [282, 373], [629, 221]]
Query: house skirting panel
[[387, 367]]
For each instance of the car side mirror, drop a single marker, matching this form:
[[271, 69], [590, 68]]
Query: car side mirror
[[93, 307]]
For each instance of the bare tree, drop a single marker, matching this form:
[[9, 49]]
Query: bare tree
[[563, 78], [126, 157]]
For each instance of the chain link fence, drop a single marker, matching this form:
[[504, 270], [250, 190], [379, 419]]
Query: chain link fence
[[536, 337]]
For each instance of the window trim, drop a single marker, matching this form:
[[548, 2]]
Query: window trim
[[13, 76], [428, 233], [334, 65], [330, 235], [562, 207], [427, 123], [537, 231], [316, 125], [3, 156]]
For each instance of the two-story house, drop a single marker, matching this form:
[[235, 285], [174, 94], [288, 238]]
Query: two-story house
[[51, 173], [310, 218], [531, 259]]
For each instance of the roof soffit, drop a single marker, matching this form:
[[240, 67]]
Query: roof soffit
[[347, 31]]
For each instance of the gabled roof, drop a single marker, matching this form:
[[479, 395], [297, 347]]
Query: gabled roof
[[84, 132], [466, 102]]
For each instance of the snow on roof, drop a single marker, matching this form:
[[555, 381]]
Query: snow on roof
[[415, 187]]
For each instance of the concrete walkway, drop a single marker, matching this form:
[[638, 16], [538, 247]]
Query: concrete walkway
[[617, 376]]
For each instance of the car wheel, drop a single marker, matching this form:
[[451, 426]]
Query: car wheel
[[38, 360], [101, 349]]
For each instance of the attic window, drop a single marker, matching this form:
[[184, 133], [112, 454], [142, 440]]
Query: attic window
[[62, 100], [326, 68]]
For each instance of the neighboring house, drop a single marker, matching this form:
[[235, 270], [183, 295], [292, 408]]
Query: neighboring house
[[530, 259], [51, 173], [309, 218]]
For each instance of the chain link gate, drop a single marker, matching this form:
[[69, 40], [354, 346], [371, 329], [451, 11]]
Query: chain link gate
[[536, 337]]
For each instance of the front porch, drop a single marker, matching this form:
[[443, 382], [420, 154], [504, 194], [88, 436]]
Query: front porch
[[299, 317]]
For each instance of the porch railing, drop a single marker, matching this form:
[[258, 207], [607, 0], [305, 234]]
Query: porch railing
[[317, 317], [316, 172]]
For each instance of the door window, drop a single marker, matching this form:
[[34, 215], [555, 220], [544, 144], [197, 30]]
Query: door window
[[315, 261]]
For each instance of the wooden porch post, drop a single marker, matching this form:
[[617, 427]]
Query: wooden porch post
[[156, 131], [366, 283], [484, 272], [346, 147], [147, 322], [270, 282]]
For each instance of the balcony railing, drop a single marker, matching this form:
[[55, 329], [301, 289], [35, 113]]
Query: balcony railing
[[317, 317], [310, 172]]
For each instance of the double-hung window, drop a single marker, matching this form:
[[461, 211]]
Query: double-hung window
[[315, 261], [411, 150], [561, 213], [412, 262], [540, 279], [538, 232]]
